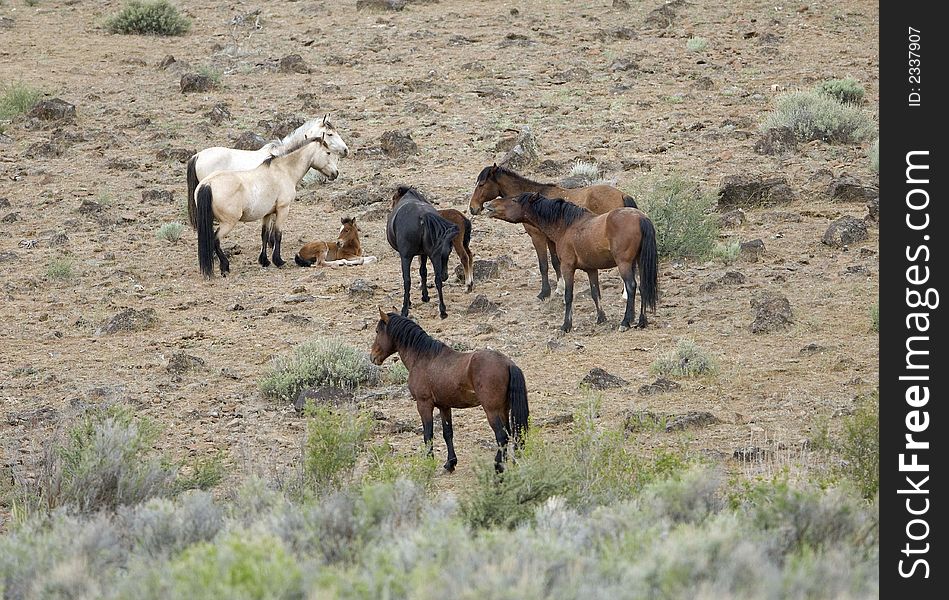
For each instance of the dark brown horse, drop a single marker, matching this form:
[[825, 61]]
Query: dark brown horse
[[442, 378], [498, 182], [591, 242], [461, 243]]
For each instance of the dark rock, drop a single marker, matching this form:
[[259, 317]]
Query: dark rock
[[845, 231], [732, 218], [50, 149], [729, 278], [371, 5], [6, 23], [751, 251], [195, 82], [481, 304], [182, 363], [664, 16], [779, 140], [484, 269], [551, 167], [642, 420], [523, 152], [157, 195], [752, 454], [296, 320], [177, 154], [621, 4], [659, 386], [4, 203], [703, 84], [129, 319], [32, 416], [53, 109], [58, 239], [166, 62], [561, 419], [692, 419], [121, 164], [219, 113], [398, 144], [599, 379], [772, 312], [847, 189], [749, 192], [11, 218], [324, 395], [359, 195], [90, 207], [293, 63], [623, 65], [360, 288], [281, 125], [8, 257], [873, 210], [248, 141], [811, 349], [575, 74]]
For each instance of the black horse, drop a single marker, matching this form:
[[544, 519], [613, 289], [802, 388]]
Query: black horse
[[414, 228]]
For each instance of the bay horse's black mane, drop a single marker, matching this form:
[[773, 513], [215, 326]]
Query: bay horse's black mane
[[487, 171], [552, 211], [408, 335]]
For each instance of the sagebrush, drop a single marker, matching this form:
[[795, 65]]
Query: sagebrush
[[170, 232], [18, 98], [318, 362], [818, 116], [846, 91], [148, 17], [686, 226], [687, 360]]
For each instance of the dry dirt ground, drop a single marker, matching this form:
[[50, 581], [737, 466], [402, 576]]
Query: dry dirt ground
[[455, 74]]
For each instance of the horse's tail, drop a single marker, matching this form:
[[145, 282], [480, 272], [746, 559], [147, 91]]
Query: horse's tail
[[648, 263], [517, 400], [204, 223], [302, 261], [628, 202], [440, 232], [192, 185], [467, 238]]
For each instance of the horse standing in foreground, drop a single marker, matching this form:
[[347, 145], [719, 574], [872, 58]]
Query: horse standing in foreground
[[414, 228], [591, 242], [442, 378], [264, 193], [218, 158], [498, 182], [346, 250]]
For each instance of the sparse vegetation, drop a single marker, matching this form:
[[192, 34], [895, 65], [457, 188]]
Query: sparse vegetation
[[846, 91], [334, 441], [18, 98], [586, 171], [214, 75], [148, 17], [170, 232], [727, 253], [875, 318], [396, 373], [860, 446], [875, 156], [319, 362], [696, 44], [687, 360], [818, 116], [683, 216], [60, 267]]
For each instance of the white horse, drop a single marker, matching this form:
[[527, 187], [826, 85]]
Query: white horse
[[219, 158], [263, 193]]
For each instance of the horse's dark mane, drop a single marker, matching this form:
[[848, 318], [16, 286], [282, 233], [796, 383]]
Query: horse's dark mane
[[409, 336], [483, 175], [402, 190], [551, 212]]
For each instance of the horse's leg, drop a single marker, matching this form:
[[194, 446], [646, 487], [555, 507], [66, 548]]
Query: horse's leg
[[265, 232], [540, 246], [448, 433], [555, 263], [467, 262], [568, 274], [628, 273], [423, 275], [222, 231], [406, 284], [426, 408], [497, 421], [642, 303], [594, 276], [279, 221]]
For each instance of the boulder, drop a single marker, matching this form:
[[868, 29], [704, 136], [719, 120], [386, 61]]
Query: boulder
[[745, 191], [772, 312], [598, 379], [845, 231]]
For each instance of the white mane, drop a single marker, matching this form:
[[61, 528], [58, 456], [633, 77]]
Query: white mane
[[298, 137]]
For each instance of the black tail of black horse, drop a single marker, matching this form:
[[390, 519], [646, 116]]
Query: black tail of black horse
[[648, 264], [192, 186], [204, 223], [467, 238], [437, 234], [517, 400], [628, 202]]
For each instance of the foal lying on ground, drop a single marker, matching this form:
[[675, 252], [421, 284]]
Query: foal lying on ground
[[346, 250]]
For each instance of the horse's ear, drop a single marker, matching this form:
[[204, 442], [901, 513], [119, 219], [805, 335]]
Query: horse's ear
[[383, 316], [325, 117]]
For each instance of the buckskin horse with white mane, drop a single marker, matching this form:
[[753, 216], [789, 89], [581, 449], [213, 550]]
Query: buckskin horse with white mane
[[218, 158], [497, 182], [264, 193]]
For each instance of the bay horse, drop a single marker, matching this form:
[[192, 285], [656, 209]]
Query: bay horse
[[414, 228], [440, 377], [346, 250], [590, 242], [497, 182], [461, 243], [264, 193], [218, 158]]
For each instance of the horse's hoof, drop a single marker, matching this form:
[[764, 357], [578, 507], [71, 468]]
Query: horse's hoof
[[641, 324], [565, 329], [450, 465], [498, 468], [543, 295], [443, 315], [623, 327], [279, 263], [601, 319], [263, 262], [425, 298]]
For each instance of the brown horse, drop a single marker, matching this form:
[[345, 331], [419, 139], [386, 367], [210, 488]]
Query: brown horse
[[346, 250], [591, 242], [442, 378], [461, 243], [497, 182]]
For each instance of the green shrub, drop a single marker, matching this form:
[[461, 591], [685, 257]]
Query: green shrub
[[817, 116], [149, 17], [334, 440], [687, 360], [860, 446], [695, 44], [318, 362], [170, 232], [727, 253], [18, 98], [683, 217], [845, 91], [387, 466], [60, 267], [212, 74], [875, 156], [875, 318], [396, 373], [206, 473]]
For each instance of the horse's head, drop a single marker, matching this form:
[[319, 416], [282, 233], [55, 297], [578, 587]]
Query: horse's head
[[486, 189], [325, 161], [510, 209], [333, 140], [384, 346], [400, 191], [348, 231]]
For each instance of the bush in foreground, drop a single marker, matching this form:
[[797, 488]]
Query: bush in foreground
[[149, 17]]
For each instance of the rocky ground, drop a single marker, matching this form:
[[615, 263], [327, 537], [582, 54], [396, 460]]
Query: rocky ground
[[789, 322]]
